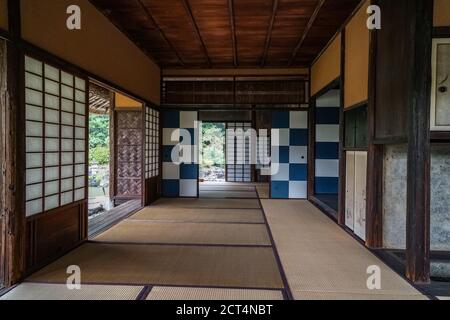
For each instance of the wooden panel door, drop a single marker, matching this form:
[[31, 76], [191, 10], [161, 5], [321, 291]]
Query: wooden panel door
[[360, 193], [129, 156], [350, 191]]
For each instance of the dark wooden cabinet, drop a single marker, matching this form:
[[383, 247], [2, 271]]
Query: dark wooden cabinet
[[356, 129]]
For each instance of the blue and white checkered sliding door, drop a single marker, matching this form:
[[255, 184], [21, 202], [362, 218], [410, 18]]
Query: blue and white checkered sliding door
[[327, 148], [290, 182], [179, 179]]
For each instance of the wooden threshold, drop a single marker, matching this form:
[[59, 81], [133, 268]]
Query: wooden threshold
[[112, 217]]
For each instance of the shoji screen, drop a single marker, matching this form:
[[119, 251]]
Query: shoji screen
[[239, 167], [151, 143], [56, 132]]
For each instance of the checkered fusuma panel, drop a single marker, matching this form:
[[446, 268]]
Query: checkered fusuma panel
[[290, 182], [180, 178], [327, 146]]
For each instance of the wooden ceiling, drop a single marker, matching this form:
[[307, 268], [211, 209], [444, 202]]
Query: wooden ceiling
[[229, 33]]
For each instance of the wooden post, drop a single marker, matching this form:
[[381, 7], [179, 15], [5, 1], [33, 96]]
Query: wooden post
[[418, 189], [374, 218]]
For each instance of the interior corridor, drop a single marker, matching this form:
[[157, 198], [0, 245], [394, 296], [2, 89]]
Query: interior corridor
[[234, 248]]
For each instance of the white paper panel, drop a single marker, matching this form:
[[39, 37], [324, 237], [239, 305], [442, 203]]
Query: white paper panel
[[32, 81], [360, 193], [51, 102], [33, 176], [66, 198], [66, 185], [80, 145], [52, 130], [67, 132], [34, 207], [34, 192], [51, 188], [34, 160], [34, 113], [80, 96], [67, 145], [51, 87], [67, 118], [67, 158], [79, 194], [67, 105], [34, 129], [80, 157], [79, 182], [79, 169], [80, 121], [80, 84], [80, 108], [33, 65], [80, 133], [51, 145], [51, 202], [33, 97], [51, 116], [67, 78], [51, 73], [51, 159], [66, 172], [350, 190], [66, 92], [51, 174], [34, 145]]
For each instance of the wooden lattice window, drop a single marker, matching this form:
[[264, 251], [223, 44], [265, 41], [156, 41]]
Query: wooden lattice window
[[239, 167], [151, 143]]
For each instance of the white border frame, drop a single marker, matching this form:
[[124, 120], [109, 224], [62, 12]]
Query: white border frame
[[436, 43]]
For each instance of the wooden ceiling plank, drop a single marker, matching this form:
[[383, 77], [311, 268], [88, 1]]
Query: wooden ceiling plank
[[306, 32], [269, 33], [233, 31], [161, 32], [191, 17]]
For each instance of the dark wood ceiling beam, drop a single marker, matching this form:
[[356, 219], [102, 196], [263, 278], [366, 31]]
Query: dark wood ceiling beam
[[233, 31], [306, 32], [161, 32], [188, 9], [269, 33]]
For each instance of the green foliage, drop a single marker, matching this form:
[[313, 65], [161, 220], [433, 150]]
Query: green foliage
[[98, 131], [99, 155], [213, 145], [98, 139]]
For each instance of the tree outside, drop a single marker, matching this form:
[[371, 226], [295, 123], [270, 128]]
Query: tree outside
[[212, 167]]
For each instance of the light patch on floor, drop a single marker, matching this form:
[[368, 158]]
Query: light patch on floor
[[199, 215], [209, 203], [177, 293], [37, 291], [321, 260], [186, 233]]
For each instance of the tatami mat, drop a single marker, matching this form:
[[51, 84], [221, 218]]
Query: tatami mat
[[263, 191], [228, 194], [133, 231], [240, 267], [219, 187], [319, 257], [155, 213], [306, 295], [38, 291], [183, 293], [209, 203]]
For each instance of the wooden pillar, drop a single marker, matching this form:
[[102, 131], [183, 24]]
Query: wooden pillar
[[12, 162], [375, 152], [342, 153], [418, 189]]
